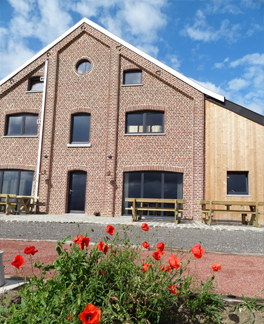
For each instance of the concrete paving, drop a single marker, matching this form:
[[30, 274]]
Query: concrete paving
[[126, 220]]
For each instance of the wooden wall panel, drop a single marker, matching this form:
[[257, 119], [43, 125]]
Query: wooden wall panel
[[233, 143]]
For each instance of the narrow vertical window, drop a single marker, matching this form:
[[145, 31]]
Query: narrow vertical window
[[80, 128]]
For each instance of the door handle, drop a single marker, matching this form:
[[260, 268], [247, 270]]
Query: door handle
[[71, 191]]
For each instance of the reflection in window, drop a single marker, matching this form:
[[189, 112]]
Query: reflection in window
[[145, 122], [237, 183], [22, 124], [36, 84], [83, 66], [80, 128], [152, 184], [17, 182], [132, 77]]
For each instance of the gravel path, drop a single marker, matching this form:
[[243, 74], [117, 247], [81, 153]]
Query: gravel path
[[221, 241]]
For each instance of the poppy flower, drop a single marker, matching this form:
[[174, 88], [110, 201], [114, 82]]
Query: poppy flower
[[160, 247], [76, 239], [174, 261], [216, 266], [145, 267], [30, 250], [83, 241], [173, 290], [105, 249], [156, 255], [169, 268], [100, 246], [69, 318], [101, 272], [197, 251], [145, 245], [110, 229], [90, 315], [18, 262], [145, 227], [163, 268]]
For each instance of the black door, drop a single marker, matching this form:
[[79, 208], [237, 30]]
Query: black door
[[77, 188]]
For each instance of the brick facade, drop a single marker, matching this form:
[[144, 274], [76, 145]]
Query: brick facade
[[101, 94]]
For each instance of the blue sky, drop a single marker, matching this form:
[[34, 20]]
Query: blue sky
[[217, 43]]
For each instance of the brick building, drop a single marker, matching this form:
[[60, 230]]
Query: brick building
[[91, 120]]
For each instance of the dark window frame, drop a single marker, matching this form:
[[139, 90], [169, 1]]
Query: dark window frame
[[71, 134], [23, 124], [19, 178], [33, 80], [79, 63], [131, 71], [246, 184], [145, 114]]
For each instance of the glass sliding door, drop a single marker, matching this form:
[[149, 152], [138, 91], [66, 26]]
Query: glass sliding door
[[152, 184]]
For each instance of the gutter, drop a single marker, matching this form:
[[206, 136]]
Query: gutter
[[41, 131]]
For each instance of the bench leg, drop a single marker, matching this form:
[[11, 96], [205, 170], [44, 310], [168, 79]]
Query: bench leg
[[244, 218]]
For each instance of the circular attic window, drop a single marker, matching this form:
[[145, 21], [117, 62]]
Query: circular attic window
[[83, 66]]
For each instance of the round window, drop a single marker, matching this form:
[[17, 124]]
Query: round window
[[83, 66]]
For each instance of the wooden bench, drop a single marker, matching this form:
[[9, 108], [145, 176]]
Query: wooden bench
[[26, 203], [6, 203], [207, 213], [143, 204]]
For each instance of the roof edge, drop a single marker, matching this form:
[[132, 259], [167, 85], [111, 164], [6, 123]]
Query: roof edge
[[124, 43]]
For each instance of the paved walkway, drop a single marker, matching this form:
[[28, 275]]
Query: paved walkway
[[155, 222]]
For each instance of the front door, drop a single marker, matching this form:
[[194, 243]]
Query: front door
[[77, 189]]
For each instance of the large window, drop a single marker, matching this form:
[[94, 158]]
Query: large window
[[22, 125], [36, 84], [237, 183], [145, 122], [132, 77], [80, 128], [17, 182], [152, 184]]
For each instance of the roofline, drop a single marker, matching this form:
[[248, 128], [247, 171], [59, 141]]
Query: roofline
[[240, 110], [124, 43]]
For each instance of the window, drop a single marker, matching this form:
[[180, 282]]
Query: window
[[83, 66], [132, 77], [17, 182], [237, 183], [22, 125], [152, 184], [36, 84], [80, 128], [145, 122]]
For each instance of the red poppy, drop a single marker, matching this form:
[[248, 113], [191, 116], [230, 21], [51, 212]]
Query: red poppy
[[101, 272], [169, 268], [145, 245], [90, 315], [106, 248], [163, 268], [18, 262], [145, 227], [173, 290], [110, 229], [30, 250], [69, 318], [83, 241], [76, 239], [160, 247], [100, 246], [216, 266], [156, 255], [145, 267], [174, 261], [197, 251]]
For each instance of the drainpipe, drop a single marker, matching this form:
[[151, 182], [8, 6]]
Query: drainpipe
[[41, 130]]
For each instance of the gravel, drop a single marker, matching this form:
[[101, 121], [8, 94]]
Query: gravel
[[241, 242]]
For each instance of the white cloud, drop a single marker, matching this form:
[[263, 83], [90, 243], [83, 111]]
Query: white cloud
[[237, 84], [202, 31], [210, 86], [251, 59]]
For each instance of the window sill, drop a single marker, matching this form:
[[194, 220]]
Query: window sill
[[131, 134], [20, 136], [30, 91], [79, 145], [238, 195], [131, 85]]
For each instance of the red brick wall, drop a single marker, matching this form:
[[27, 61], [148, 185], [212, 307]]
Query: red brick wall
[[99, 92]]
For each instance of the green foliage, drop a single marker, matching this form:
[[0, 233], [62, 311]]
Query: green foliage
[[113, 282]]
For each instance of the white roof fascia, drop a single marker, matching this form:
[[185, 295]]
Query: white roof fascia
[[124, 43]]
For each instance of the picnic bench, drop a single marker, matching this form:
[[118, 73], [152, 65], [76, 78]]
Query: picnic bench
[[152, 204], [22, 203], [215, 206]]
